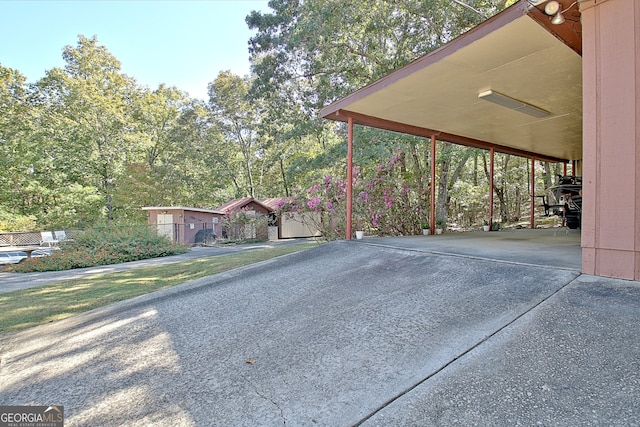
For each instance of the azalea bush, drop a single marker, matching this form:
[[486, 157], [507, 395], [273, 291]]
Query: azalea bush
[[390, 202], [385, 202], [327, 203], [103, 246]]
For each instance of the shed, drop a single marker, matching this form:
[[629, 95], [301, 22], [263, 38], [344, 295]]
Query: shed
[[293, 224], [185, 225], [249, 231]]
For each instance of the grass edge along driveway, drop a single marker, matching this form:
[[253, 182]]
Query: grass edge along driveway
[[31, 307]]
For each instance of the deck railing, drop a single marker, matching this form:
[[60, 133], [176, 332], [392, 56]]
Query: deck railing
[[26, 238]]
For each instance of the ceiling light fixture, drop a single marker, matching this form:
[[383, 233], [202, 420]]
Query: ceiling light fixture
[[552, 8], [558, 19], [512, 103]]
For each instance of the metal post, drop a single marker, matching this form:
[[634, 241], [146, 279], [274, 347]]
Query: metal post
[[432, 205], [491, 161], [533, 192], [349, 177]]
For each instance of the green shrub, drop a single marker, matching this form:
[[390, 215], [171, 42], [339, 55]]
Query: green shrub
[[104, 246], [15, 222]]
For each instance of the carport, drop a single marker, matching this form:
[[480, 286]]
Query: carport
[[515, 84]]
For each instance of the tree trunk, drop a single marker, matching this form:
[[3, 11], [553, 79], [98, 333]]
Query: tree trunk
[[475, 169], [284, 178], [447, 179], [548, 176], [443, 181], [518, 208]]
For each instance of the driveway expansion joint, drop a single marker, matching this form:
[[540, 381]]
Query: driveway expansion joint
[[494, 260], [462, 354]]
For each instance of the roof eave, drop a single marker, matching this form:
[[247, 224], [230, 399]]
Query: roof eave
[[375, 122], [506, 16]]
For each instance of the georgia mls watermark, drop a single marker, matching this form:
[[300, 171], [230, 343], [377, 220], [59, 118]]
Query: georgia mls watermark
[[31, 416]]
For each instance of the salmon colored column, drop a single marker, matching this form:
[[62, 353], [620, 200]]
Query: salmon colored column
[[349, 177], [492, 155], [532, 218], [611, 131], [432, 206]]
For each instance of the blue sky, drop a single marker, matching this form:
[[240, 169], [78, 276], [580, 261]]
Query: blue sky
[[179, 43]]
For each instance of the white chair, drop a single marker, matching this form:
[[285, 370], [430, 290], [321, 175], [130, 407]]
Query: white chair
[[60, 235], [48, 239]]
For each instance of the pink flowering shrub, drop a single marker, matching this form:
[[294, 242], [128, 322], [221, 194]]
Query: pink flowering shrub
[[322, 206], [385, 202], [392, 203]]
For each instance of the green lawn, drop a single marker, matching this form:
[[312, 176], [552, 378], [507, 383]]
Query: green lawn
[[35, 306]]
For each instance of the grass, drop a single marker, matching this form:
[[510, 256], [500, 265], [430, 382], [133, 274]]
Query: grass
[[26, 308]]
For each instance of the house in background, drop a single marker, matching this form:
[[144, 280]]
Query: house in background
[[184, 225], [288, 226], [253, 230], [293, 224], [247, 204]]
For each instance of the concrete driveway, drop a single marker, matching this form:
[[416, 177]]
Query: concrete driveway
[[347, 333]]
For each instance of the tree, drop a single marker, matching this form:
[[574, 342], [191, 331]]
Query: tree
[[14, 124], [17, 153], [334, 47], [90, 108], [150, 176], [238, 120], [156, 116], [451, 162]]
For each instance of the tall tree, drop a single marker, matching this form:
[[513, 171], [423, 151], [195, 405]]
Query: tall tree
[[156, 116], [238, 120], [17, 153], [90, 104], [150, 177]]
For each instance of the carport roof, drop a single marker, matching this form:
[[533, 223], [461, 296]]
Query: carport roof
[[517, 53]]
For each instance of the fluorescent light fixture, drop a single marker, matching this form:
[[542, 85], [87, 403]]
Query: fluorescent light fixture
[[514, 104]]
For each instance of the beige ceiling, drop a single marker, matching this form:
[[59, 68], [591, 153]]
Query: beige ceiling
[[517, 57]]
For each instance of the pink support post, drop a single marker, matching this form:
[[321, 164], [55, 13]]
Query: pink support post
[[610, 227], [491, 163], [432, 207], [349, 177], [532, 222]]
